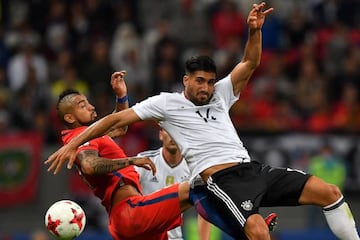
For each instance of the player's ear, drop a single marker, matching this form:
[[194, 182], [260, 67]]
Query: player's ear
[[69, 118], [161, 134], [185, 79]]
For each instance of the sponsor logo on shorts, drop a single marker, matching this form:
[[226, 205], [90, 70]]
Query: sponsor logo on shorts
[[247, 205]]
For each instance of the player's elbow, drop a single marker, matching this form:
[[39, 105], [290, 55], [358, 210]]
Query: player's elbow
[[250, 65], [254, 64], [257, 64]]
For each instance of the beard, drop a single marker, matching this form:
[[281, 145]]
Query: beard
[[201, 101], [87, 123], [198, 98]]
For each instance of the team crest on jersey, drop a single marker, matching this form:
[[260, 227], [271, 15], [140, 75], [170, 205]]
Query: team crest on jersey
[[169, 180], [154, 179], [247, 205]]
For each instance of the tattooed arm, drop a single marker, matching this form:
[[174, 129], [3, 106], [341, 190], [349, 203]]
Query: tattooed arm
[[92, 164]]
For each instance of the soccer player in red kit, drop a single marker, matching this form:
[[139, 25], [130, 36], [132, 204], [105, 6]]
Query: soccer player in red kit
[[104, 166]]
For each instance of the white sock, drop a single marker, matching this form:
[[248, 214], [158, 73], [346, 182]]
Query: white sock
[[340, 220]]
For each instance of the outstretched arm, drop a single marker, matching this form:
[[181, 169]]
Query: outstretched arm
[[118, 86], [97, 129], [92, 164], [241, 74]]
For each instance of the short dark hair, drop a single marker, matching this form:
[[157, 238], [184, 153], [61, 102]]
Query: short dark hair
[[65, 93], [64, 98], [200, 63]]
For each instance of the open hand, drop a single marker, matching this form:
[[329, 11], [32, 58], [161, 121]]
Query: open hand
[[58, 158], [118, 83], [256, 16], [145, 162]]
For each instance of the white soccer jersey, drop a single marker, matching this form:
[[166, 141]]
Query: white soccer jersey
[[165, 176], [205, 134]]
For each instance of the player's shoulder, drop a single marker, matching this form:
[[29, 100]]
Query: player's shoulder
[[166, 98], [150, 153], [171, 95]]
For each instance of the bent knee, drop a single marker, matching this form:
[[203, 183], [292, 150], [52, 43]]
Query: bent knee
[[183, 191], [331, 194], [319, 192], [334, 193], [256, 228]]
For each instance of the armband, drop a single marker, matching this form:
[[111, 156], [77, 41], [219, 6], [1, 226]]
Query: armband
[[122, 100]]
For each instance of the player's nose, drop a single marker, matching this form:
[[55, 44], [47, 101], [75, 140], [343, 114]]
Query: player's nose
[[91, 107]]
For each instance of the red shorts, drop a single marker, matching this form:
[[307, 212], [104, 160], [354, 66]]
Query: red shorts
[[146, 217]]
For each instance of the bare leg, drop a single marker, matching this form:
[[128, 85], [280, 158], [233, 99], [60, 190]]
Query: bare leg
[[337, 212], [184, 189], [319, 193], [256, 228]]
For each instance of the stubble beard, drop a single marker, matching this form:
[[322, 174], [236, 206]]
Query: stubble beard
[[88, 123], [202, 101]]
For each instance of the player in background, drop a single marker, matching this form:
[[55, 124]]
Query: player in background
[[198, 120], [170, 169]]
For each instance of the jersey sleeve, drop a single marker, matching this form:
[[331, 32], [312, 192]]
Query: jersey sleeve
[[91, 145], [151, 108], [224, 88]]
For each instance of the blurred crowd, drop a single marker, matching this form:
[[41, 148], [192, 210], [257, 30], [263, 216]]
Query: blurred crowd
[[308, 79]]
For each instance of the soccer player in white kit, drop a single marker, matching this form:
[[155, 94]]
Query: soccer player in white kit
[[170, 169], [198, 120]]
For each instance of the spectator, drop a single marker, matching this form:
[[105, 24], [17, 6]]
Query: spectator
[[332, 169], [95, 66], [346, 115], [329, 167], [57, 67], [127, 52], [319, 120], [227, 23], [166, 62], [20, 63], [309, 84], [57, 31], [70, 80]]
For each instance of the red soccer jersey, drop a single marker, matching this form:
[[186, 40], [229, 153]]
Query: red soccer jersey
[[104, 185]]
